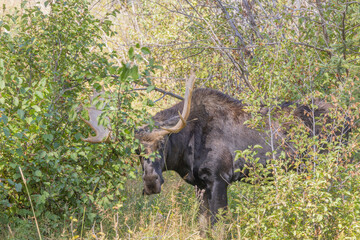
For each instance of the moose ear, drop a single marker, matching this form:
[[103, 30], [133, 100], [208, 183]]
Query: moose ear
[[151, 145]]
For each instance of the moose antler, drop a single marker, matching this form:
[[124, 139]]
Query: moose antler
[[102, 132], [187, 105], [183, 116]]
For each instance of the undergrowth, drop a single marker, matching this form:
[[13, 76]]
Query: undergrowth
[[295, 207]]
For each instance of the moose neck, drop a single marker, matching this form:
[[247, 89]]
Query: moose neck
[[173, 154]]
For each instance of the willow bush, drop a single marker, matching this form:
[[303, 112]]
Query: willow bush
[[50, 63], [310, 56]]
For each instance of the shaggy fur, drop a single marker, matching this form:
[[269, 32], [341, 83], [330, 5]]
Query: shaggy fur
[[203, 153]]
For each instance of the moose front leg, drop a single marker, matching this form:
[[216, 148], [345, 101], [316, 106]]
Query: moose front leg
[[204, 211], [211, 199], [217, 197]]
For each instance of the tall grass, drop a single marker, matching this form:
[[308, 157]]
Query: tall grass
[[169, 215], [301, 209]]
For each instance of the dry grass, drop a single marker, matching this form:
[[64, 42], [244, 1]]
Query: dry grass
[[169, 215], [172, 214]]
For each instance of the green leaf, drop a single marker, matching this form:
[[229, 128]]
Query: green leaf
[[150, 88], [38, 173], [39, 94], [72, 115], [145, 50], [42, 154], [91, 216], [257, 146], [113, 70], [131, 53], [125, 73], [6, 27], [134, 72], [97, 87], [16, 101], [2, 83], [73, 156], [6, 132], [18, 187], [148, 80], [78, 136], [19, 80], [48, 137], [138, 57], [21, 113], [132, 175], [11, 182], [158, 67], [13, 165], [23, 3], [37, 108], [4, 118]]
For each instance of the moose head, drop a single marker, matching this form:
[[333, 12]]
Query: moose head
[[153, 141]]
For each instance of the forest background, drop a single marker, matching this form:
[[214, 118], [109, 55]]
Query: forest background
[[54, 53]]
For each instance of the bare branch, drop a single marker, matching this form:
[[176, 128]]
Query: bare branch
[[165, 92], [160, 98], [323, 23], [311, 46], [232, 25], [157, 89]]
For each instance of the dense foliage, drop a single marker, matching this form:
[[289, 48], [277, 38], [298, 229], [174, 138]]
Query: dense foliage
[[263, 52], [49, 64]]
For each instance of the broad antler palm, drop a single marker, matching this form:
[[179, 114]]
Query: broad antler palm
[[102, 133]]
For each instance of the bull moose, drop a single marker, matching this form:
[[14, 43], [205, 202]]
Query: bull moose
[[200, 144]]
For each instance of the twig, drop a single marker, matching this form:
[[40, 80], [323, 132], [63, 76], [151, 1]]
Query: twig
[[173, 11], [165, 92], [232, 25], [323, 23], [344, 36], [93, 230], [239, 65], [158, 89], [116, 223], [10, 231], [32, 207], [160, 98], [193, 55], [311, 46], [82, 224]]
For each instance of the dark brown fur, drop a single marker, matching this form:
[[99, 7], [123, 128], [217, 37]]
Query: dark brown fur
[[203, 153]]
